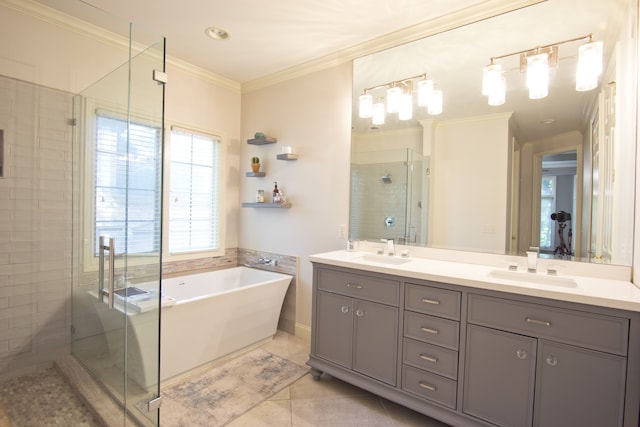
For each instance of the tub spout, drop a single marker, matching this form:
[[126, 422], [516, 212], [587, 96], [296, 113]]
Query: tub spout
[[263, 261]]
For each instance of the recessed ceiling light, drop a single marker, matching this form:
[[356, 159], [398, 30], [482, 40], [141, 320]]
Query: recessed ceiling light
[[216, 33], [548, 121]]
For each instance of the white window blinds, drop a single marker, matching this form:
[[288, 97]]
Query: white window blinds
[[194, 192], [127, 184]]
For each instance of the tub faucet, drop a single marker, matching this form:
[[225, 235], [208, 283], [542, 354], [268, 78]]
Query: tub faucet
[[263, 261], [532, 259]]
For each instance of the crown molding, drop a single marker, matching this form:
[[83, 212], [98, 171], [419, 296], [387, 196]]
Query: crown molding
[[69, 23], [482, 10]]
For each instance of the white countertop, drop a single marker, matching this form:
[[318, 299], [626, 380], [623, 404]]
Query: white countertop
[[599, 291]]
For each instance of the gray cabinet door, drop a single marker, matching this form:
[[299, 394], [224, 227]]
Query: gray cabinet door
[[334, 328], [499, 377], [578, 387], [376, 340]]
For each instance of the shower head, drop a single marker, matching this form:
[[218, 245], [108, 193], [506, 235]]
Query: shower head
[[386, 178]]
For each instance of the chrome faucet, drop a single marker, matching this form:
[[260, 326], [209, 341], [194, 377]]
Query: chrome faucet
[[263, 261], [391, 249], [532, 259]]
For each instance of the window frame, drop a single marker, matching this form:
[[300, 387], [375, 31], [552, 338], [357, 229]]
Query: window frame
[[220, 203]]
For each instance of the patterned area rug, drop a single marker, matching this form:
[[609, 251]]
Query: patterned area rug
[[226, 392]]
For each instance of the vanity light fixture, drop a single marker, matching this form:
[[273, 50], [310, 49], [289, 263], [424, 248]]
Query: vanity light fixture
[[399, 99], [537, 62]]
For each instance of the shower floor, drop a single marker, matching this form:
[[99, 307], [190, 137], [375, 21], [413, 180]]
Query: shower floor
[[44, 398]]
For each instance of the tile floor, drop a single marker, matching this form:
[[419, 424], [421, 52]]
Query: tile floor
[[328, 402]]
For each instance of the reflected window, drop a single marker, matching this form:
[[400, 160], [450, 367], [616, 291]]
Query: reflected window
[[547, 207]]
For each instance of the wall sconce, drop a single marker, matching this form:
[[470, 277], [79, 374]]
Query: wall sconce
[[399, 99], [537, 63]]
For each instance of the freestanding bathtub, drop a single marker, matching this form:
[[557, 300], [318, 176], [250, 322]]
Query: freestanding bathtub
[[217, 313]]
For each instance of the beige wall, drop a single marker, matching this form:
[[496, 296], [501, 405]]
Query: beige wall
[[312, 113]]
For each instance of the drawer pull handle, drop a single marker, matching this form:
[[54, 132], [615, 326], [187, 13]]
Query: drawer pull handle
[[430, 301], [349, 285], [427, 386], [538, 322], [429, 330], [428, 358]]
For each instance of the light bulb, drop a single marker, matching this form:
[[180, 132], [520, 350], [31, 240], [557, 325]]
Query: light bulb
[[393, 99], [379, 112], [589, 66], [425, 89], [538, 75], [491, 78], [498, 94], [366, 106]]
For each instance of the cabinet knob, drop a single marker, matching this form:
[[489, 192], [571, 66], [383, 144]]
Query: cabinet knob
[[359, 312], [344, 309], [522, 354], [552, 360]]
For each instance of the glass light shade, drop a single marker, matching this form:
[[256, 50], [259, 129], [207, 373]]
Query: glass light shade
[[366, 106], [405, 110], [538, 75], [393, 99], [589, 66], [435, 104], [491, 78], [379, 112], [425, 88], [497, 96]]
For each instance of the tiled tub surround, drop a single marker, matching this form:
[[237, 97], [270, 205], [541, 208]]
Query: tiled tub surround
[[35, 227], [473, 343]]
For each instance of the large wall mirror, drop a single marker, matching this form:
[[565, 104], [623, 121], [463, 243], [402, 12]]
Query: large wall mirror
[[554, 172]]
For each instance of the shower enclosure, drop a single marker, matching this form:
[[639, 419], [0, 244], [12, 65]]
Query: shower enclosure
[[117, 227], [389, 196], [81, 131]]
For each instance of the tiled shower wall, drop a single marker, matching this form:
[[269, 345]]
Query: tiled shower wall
[[35, 226]]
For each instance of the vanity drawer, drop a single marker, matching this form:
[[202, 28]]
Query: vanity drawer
[[430, 329], [589, 330], [434, 301], [429, 386], [385, 291], [431, 358]]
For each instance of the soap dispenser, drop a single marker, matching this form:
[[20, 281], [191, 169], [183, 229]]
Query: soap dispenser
[[276, 193]]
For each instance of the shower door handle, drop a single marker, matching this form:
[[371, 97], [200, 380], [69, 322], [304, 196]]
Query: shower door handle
[[101, 291]]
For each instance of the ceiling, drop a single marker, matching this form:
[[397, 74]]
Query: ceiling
[[266, 37]]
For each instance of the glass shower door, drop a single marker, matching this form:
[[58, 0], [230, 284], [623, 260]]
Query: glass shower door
[[117, 229]]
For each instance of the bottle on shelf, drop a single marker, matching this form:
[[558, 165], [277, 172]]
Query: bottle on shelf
[[276, 193]]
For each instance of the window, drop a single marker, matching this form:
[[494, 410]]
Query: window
[[194, 192], [127, 191]]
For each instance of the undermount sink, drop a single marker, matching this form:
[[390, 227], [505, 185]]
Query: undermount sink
[[385, 259], [533, 278]]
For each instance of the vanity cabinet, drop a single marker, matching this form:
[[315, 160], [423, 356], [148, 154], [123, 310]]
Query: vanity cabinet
[[476, 357], [431, 342], [539, 365], [357, 323]]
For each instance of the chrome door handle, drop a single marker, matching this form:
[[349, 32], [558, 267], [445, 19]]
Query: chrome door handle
[[101, 291]]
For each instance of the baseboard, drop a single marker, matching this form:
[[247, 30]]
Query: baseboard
[[303, 332]]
